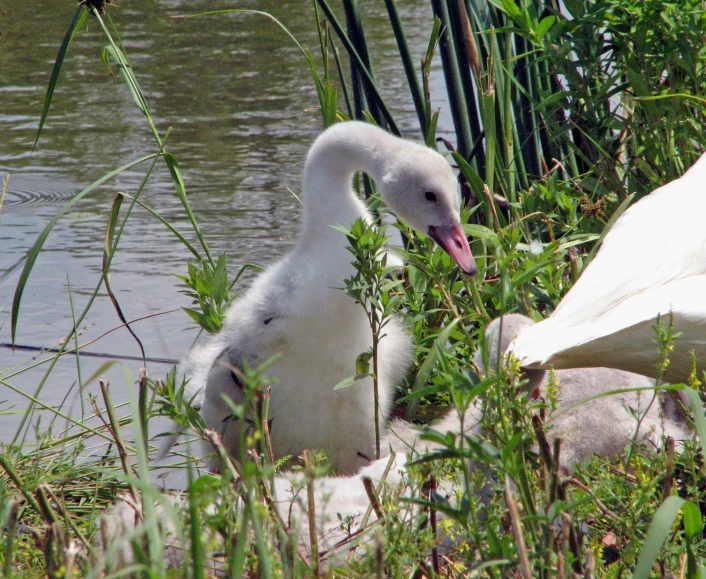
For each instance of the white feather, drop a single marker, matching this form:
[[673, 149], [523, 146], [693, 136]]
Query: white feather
[[652, 262]]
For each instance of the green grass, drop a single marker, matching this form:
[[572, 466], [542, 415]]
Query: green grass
[[560, 122]]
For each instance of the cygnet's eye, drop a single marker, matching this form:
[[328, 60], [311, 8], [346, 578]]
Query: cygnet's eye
[[430, 196], [267, 320]]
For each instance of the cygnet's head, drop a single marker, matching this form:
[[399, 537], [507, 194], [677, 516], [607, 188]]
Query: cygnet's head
[[498, 338], [420, 186]]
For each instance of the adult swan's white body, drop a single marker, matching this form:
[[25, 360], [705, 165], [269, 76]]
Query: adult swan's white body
[[652, 262], [297, 309]]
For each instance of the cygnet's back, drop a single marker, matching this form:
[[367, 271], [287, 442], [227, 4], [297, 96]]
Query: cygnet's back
[[603, 425]]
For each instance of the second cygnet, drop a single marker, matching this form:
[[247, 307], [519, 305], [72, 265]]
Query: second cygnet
[[590, 418]]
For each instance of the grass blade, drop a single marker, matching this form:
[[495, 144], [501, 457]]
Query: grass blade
[[367, 77], [197, 555], [36, 249], [3, 191], [163, 221], [659, 530], [78, 19], [181, 192], [302, 49], [126, 71], [10, 528], [154, 538], [264, 558], [466, 57], [407, 62], [342, 78], [108, 251], [356, 33], [439, 345], [452, 74]]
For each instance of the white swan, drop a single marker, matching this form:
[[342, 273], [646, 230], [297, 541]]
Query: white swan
[[653, 261], [297, 309]]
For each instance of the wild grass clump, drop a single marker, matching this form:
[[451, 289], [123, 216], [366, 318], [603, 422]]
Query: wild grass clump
[[562, 113]]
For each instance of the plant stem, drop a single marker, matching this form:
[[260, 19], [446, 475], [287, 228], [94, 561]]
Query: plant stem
[[376, 394]]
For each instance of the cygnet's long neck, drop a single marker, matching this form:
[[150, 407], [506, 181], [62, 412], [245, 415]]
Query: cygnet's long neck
[[334, 158]]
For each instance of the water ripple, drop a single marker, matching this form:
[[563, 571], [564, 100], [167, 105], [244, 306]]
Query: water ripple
[[26, 197]]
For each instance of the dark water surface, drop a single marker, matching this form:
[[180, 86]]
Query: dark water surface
[[242, 107]]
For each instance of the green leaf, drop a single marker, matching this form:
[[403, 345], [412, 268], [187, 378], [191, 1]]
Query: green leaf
[[693, 523], [481, 232], [638, 83], [126, 72], [476, 183], [554, 98], [197, 316], [389, 285], [350, 381], [543, 27], [219, 282], [205, 488], [78, 19], [660, 528], [431, 131], [418, 279], [510, 8], [645, 167], [699, 420], [422, 377], [434, 389], [433, 41]]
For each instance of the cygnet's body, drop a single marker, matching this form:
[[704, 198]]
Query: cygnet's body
[[297, 310], [653, 261], [602, 426]]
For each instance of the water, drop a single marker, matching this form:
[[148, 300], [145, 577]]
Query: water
[[241, 104]]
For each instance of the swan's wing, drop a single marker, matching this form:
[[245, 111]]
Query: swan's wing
[[210, 371], [651, 262], [626, 339], [252, 327], [656, 241]]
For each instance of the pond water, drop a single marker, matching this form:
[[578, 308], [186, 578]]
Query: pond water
[[241, 104]]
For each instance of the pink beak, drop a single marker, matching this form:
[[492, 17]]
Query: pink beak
[[452, 240]]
